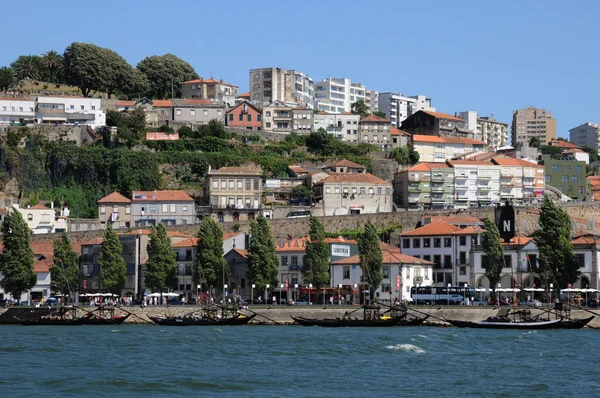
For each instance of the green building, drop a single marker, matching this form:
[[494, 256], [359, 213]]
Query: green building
[[567, 175]]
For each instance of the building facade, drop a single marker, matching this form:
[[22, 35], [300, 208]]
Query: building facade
[[70, 110], [244, 116], [342, 126], [439, 149], [275, 84], [336, 95], [302, 120], [398, 107], [376, 131], [115, 209], [586, 134], [437, 124], [162, 207], [44, 220], [234, 193], [277, 117], [13, 111], [210, 89], [492, 132], [567, 175], [425, 186], [198, 112], [532, 122]]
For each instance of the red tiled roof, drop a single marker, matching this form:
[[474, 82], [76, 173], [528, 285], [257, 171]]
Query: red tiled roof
[[563, 144], [243, 253], [373, 118], [446, 140], [229, 235], [114, 197], [506, 161], [244, 95], [210, 81], [519, 240], [389, 257], [188, 242], [162, 103], [397, 131], [163, 196], [39, 206], [345, 163], [125, 103], [298, 169], [436, 227], [441, 115], [333, 178], [160, 136], [340, 239]]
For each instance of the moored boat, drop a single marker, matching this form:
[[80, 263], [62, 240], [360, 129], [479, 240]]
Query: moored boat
[[505, 323], [51, 322], [91, 319], [191, 320], [348, 322]]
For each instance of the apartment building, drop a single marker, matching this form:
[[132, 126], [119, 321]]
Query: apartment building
[[342, 193], [44, 220], [210, 89], [336, 95], [532, 122], [520, 181], [439, 149], [371, 97], [398, 107], [275, 84], [437, 124], [302, 120], [277, 117], [376, 131], [234, 193], [291, 261], [342, 126], [198, 112], [492, 132], [19, 111], [70, 110], [425, 186], [115, 209], [344, 166], [447, 246], [567, 175], [244, 116], [162, 207], [476, 183], [585, 134]]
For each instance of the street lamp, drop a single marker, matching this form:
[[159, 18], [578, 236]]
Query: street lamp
[[551, 288], [309, 288], [353, 291], [449, 286], [252, 293], [267, 293], [339, 298], [280, 289], [466, 293], [295, 293], [224, 294]]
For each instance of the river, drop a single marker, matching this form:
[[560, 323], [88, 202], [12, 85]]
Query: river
[[275, 361]]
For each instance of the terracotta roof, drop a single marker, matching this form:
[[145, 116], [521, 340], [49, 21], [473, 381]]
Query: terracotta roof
[[290, 245], [563, 144], [162, 196], [243, 253], [236, 170], [584, 240], [298, 169], [244, 95], [248, 104], [373, 118], [39, 206], [229, 235], [470, 162], [436, 227], [397, 131], [210, 81], [470, 230], [426, 166], [519, 240], [441, 115], [162, 103], [333, 178], [322, 113], [114, 197], [340, 239], [446, 140], [14, 99], [125, 103], [188, 242], [345, 163], [389, 257], [515, 162], [160, 136]]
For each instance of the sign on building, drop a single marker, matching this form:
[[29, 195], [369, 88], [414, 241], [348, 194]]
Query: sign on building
[[505, 220], [340, 250]]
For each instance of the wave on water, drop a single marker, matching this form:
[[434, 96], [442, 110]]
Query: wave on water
[[406, 347], [116, 330]]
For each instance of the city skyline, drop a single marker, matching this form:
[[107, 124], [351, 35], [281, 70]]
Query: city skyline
[[490, 58]]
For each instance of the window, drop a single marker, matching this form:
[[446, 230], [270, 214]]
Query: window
[[240, 184], [574, 178], [385, 287], [29, 217], [416, 243], [115, 209], [427, 257], [371, 191], [184, 208], [268, 124], [437, 242], [152, 208], [386, 272], [102, 209], [231, 117], [379, 190], [192, 112], [406, 243], [437, 259], [231, 184], [205, 112], [284, 261], [388, 191], [219, 112], [259, 118], [508, 261], [531, 262], [462, 240], [580, 260], [426, 242], [577, 169], [248, 205], [268, 113], [327, 190], [249, 117], [71, 107], [462, 257], [337, 189], [447, 261], [127, 209], [178, 112], [223, 183], [173, 208], [462, 270], [447, 242], [256, 184], [294, 261], [346, 273], [165, 208], [241, 117], [248, 183]]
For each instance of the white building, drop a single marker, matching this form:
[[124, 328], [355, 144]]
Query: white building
[[475, 183], [439, 149], [343, 126], [492, 132], [43, 220], [342, 194], [275, 84], [447, 246], [398, 107], [586, 134], [70, 110], [16, 110]]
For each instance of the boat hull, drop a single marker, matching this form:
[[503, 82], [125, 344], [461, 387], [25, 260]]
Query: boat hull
[[542, 325], [395, 321], [189, 321], [52, 322], [104, 321]]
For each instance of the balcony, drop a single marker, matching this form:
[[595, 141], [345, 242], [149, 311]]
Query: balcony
[[484, 188], [484, 176], [438, 188], [414, 188]]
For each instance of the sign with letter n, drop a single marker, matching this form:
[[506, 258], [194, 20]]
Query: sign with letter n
[[505, 219]]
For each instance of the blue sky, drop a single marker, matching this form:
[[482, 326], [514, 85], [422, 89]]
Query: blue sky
[[488, 56]]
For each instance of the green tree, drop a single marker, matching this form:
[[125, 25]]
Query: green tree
[[316, 259], [210, 266], [27, 67], [371, 258], [17, 258], [593, 152], [160, 265], [493, 260], [554, 151], [380, 114], [113, 269], [302, 192], [8, 78], [53, 64], [404, 155], [64, 272], [535, 142], [318, 141], [165, 73], [556, 261], [360, 108], [262, 260]]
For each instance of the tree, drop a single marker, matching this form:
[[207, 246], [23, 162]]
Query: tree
[[318, 141], [360, 108], [302, 192], [493, 260], [404, 155], [371, 259], [8, 78], [554, 151], [380, 114], [165, 74], [17, 258], [593, 152], [262, 260], [535, 142], [160, 265], [316, 259], [556, 261], [53, 64], [210, 266], [113, 269], [27, 67], [64, 273]]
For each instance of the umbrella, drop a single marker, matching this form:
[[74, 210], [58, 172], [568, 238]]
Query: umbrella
[[507, 290], [153, 295], [534, 289], [590, 290], [571, 290], [170, 295]]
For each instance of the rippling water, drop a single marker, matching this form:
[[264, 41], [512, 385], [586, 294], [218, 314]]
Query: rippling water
[[269, 361]]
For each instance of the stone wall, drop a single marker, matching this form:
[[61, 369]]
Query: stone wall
[[79, 135]]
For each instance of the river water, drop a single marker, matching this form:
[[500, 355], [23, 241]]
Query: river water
[[276, 361]]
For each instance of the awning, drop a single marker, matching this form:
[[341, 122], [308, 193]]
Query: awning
[[54, 119]]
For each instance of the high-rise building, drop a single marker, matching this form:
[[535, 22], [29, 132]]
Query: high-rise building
[[486, 129], [586, 134], [337, 94], [275, 84], [532, 122], [397, 107]]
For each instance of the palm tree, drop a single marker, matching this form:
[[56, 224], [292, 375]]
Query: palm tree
[[27, 66], [54, 64]]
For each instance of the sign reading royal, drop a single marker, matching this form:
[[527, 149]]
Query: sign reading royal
[[340, 251], [505, 219]]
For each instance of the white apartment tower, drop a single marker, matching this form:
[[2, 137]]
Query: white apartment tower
[[337, 94], [275, 84], [397, 107]]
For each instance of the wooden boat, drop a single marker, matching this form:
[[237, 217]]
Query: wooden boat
[[202, 321], [92, 319], [51, 322], [348, 322], [506, 323]]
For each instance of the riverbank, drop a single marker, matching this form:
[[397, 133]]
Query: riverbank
[[278, 315]]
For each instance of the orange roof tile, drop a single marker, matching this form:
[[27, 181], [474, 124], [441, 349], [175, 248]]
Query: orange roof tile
[[397, 131], [298, 169], [345, 163], [229, 235], [40, 207], [162, 103], [162, 196], [209, 81], [389, 257], [114, 197], [563, 144], [446, 140], [244, 95], [506, 161], [518, 240], [243, 253], [333, 178], [160, 136], [188, 242], [376, 119], [436, 227], [441, 115], [125, 103], [340, 239], [584, 240]]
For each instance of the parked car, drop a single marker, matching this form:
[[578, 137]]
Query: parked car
[[302, 302]]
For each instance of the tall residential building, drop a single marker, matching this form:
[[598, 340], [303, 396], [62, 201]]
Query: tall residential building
[[397, 107], [275, 84], [586, 134], [486, 128], [532, 122], [336, 95]]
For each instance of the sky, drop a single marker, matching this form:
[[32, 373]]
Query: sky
[[488, 56]]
